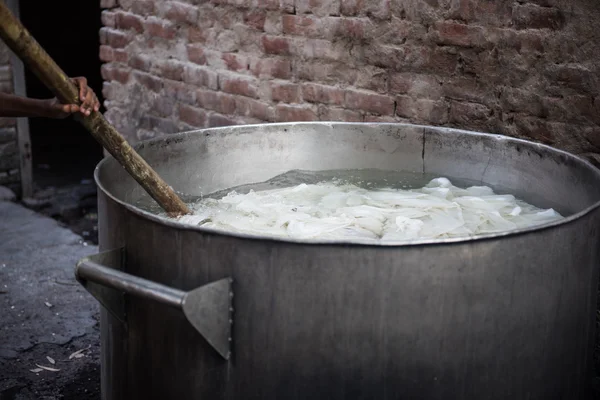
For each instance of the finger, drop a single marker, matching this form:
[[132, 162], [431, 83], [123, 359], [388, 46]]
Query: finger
[[89, 98], [89, 102], [70, 108], [81, 82], [83, 92]]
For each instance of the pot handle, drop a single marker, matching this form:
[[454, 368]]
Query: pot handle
[[207, 308]]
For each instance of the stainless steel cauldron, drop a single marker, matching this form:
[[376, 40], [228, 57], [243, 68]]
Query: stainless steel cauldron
[[503, 316]]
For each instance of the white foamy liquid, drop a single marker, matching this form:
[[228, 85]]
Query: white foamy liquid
[[343, 210]]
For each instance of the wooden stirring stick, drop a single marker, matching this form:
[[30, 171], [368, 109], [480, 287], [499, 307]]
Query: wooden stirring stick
[[35, 57]]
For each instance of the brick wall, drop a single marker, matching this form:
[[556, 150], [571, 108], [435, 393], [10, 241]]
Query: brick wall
[[524, 68], [9, 149]]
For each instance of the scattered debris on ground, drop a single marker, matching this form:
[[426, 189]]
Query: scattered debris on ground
[[74, 206], [49, 324]]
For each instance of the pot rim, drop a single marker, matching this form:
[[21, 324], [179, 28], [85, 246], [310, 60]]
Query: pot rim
[[406, 243]]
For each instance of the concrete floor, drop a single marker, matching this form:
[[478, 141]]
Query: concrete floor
[[44, 312]]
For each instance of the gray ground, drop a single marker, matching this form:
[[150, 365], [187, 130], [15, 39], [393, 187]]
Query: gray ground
[[44, 312]]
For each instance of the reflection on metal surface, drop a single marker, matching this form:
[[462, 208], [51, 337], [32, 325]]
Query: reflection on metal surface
[[498, 317], [207, 308], [113, 300]]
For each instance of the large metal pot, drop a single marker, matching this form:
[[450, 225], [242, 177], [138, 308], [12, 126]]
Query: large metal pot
[[501, 316]]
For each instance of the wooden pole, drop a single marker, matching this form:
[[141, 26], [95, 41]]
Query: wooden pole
[[20, 41]]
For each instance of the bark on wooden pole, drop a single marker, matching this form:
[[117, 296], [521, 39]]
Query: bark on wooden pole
[[20, 41]]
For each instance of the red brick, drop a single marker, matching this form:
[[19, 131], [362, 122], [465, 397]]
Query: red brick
[[200, 76], [170, 69], [320, 8], [316, 93], [571, 108], [197, 35], [272, 5], [338, 114], [486, 13], [108, 3], [534, 129], [276, 45], [372, 78], [192, 116], [151, 82], [468, 115], [181, 12], [399, 31], [520, 100], [163, 106], [285, 92], [417, 85], [592, 136], [295, 113], [271, 67], [273, 23], [255, 19], [225, 41], [214, 59], [121, 56], [530, 42], [375, 103], [143, 7], [141, 62], [108, 18], [108, 90], [113, 73], [196, 54], [106, 53], [333, 73], [412, 58], [531, 16], [235, 62], [353, 28], [455, 34], [574, 76], [466, 88], [220, 102], [128, 21], [422, 110], [386, 119], [159, 28], [238, 85], [225, 17], [253, 108], [216, 120], [377, 9], [179, 91], [321, 49], [161, 125], [301, 25], [248, 40], [114, 38]]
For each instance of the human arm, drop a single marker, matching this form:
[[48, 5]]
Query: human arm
[[16, 106]]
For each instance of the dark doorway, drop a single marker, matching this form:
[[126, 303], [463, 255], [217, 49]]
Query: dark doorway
[[64, 154], [63, 151]]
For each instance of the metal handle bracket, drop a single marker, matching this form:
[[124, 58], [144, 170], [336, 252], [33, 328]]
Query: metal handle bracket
[[207, 308]]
